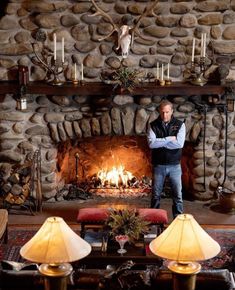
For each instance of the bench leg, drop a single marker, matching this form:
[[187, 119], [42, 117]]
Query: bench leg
[[160, 229], [82, 232]]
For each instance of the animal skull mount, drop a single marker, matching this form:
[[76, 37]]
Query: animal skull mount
[[126, 33], [124, 40]]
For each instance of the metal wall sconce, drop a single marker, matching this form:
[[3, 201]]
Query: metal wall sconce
[[21, 102], [230, 104], [230, 97]]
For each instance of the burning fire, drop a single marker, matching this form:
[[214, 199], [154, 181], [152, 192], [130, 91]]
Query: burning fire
[[116, 177]]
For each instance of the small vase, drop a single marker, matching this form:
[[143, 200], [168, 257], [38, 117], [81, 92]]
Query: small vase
[[122, 239]]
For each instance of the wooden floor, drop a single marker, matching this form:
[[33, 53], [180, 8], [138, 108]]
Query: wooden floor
[[206, 213]]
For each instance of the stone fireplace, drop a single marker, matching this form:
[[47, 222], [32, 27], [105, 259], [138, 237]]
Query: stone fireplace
[[112, 135], [111, 131]]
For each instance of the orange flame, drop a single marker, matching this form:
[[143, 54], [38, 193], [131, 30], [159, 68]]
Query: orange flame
[[117, 176]]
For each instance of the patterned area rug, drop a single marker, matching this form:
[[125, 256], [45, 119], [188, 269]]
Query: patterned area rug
[[18, 236], [226, 257]]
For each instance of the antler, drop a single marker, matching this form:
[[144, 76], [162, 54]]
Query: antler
[[125, 39], [100, 12], [146, 12]]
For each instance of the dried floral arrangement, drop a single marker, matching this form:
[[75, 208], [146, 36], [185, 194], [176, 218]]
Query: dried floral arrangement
[[126, 78], [126, 222]]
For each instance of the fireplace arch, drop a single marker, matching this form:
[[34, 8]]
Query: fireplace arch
[[107, 165]]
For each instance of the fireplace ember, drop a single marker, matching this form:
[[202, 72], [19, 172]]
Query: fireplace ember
[[118, 182], [116, 177]]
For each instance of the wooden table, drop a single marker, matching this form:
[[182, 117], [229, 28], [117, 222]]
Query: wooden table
[[140, 255]]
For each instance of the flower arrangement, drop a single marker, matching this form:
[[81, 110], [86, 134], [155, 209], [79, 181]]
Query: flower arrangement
[[126, 222]]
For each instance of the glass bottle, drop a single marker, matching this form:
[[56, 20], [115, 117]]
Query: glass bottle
[[23, 76]]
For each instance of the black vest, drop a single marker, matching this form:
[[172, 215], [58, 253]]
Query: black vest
[[166, 156]]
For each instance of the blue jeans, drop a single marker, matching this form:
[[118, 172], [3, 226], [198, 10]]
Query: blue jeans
[[173, 172]]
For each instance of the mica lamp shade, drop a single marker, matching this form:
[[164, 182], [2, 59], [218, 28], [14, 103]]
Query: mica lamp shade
[[184, 240], [55, 243]]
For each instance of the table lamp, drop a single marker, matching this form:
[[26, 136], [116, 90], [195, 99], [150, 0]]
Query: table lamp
[[54, 246], [184, 242]]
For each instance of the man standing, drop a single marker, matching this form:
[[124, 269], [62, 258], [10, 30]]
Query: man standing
[[166, 137]]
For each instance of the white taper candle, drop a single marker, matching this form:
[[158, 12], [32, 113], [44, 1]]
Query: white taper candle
[[193, 50], [62, 49], [204, 46], [202, 43], [54, 40], [82, 76], [75, 71]]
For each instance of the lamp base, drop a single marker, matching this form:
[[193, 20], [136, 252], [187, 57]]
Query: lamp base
[[55, 275], [184, 275]]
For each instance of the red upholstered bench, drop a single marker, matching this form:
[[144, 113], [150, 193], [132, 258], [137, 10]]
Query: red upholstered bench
[[90, 217], [154, 216], [93, 217]]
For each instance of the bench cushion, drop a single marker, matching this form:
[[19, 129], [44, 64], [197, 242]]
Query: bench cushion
[[90, 214], [99, 215], [154, 215]]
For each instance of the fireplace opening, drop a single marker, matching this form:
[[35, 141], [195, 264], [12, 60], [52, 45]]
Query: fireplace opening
[[117, 166]]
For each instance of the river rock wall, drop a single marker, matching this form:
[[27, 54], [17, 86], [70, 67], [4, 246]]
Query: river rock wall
[[167, 33], [50, 121]]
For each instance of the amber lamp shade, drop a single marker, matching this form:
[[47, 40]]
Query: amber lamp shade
[[54, 246], [184, 242]]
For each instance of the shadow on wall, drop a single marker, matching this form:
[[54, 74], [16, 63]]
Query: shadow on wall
[[3, 7], [187, 169]]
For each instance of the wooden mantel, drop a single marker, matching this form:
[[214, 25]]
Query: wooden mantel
[[101, 89]]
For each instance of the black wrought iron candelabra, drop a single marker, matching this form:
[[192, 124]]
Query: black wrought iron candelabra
[[54, 67]]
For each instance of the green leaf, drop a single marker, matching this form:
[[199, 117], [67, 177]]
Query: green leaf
[[126, 222]]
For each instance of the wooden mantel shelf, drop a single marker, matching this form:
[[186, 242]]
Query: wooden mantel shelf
[[101, 89]]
